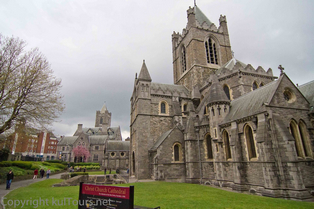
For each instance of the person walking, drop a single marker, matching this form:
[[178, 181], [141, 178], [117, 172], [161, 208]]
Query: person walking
[[10, 177], [48, 173], [42, 173], [35, 174]]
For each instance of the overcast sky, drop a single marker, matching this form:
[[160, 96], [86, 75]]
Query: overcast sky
[[97, 46]]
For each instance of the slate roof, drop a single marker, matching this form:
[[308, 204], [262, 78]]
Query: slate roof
[[98, 139], [170, 87], [251, 103], [67, 140], [307, 90], [161, 139], [200, 17], [118, 146], [230, 64], [93, 130]]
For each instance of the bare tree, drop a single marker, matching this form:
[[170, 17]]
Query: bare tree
[[28, 89]]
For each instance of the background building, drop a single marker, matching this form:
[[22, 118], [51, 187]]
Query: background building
[[97, 140]]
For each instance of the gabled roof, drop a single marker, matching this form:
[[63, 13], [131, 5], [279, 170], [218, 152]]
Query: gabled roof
[[252, 102], [118, 146], [144, 74], [200, 17], [98, 139], [170, 87], [161, 139], [68, 140]]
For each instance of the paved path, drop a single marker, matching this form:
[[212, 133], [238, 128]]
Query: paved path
[[23, 183]]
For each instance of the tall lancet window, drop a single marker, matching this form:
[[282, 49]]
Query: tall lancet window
[[211, 51], [183, 59]]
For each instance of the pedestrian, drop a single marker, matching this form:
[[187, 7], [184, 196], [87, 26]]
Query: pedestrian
[[35, 173], [105, 171], [42, 173], [10, 177], [84, 169], [48, 173]]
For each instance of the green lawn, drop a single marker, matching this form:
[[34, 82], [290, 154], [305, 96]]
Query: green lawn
[[151, 194]]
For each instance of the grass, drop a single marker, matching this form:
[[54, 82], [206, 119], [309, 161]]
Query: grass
[[153, 194]]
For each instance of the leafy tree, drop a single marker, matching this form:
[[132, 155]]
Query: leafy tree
[[82, 152], [28, 89]]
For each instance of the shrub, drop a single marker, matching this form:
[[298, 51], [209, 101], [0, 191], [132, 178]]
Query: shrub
[[86, 164], [5, 163], [46, 163], [88, 167], [77, 173], [61, 166], [35, 166], [22, 164]]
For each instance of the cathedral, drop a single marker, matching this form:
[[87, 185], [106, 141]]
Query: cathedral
[[222, 122]]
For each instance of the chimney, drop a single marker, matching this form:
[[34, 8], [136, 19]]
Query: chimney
[[79, 128]]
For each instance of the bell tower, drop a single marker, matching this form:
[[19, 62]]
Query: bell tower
[[200, 49]]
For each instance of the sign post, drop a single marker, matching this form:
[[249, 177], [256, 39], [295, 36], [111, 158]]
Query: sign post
[[105, 197]]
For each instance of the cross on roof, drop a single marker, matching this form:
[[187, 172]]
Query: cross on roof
[[281, 69]]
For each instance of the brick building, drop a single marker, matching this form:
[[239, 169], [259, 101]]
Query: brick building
[[31, 142], [222, 122]]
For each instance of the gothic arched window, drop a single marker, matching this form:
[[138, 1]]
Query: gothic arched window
[[183, 59], [300, 135], [255, 86], [304, 139], [250, 142], [211, 51], [177, 152], [209, 147], [227, 91], [163, 108], [227, 144]]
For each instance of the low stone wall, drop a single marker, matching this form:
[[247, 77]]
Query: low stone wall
[[94, 179]]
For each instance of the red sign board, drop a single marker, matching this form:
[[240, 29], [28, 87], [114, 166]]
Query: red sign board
[[98, 196]]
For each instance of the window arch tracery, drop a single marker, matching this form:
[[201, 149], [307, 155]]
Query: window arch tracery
[[250, 142], [211, 51]]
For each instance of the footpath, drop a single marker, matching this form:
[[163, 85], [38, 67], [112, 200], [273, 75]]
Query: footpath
[[23, 183]]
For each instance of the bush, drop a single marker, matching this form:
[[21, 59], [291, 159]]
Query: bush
[[77, 173], [61, 166], [86, 164], [5, 163], [88, 167], [35, 166], [22, 164], [57, 161], [46, 163]]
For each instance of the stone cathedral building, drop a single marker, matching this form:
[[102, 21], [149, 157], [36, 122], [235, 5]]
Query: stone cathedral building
[[222, 122]]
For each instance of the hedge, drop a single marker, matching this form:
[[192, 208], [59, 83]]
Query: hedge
[[20, 164], [86, 164], [78, 173]]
